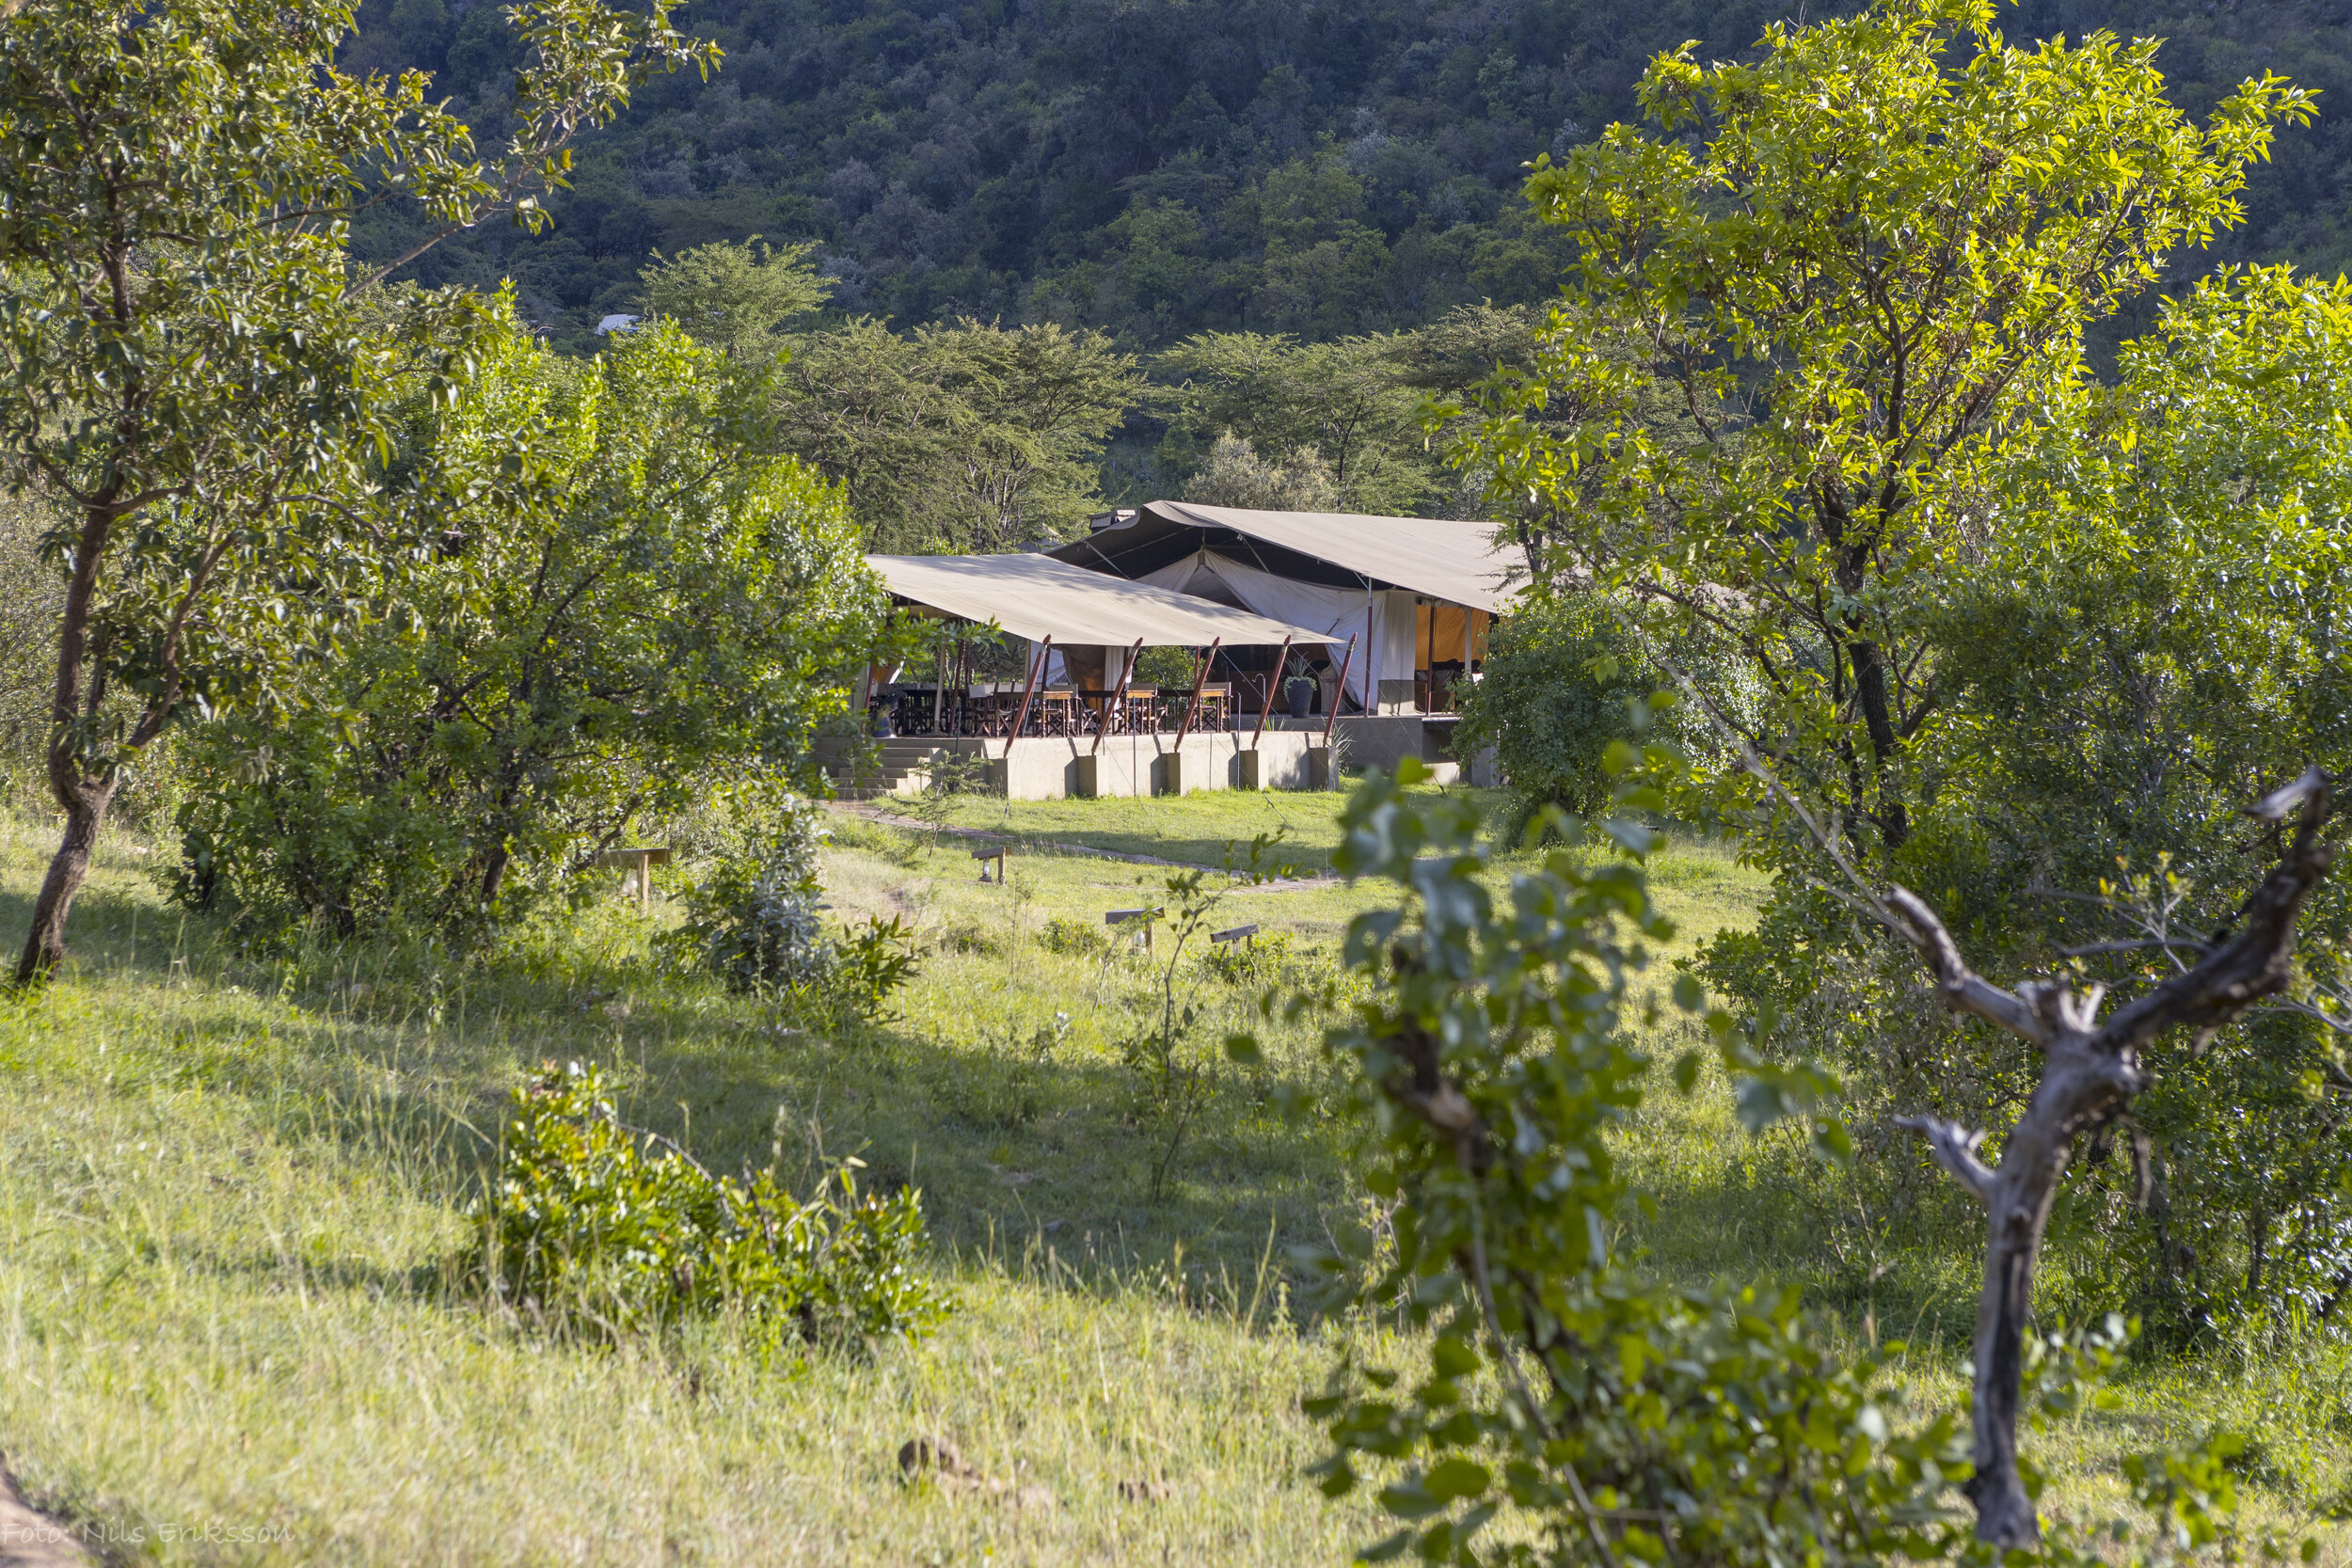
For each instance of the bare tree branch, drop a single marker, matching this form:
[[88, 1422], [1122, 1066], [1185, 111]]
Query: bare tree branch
[[1955, 1148]]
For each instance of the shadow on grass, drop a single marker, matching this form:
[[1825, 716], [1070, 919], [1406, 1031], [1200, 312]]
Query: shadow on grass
[[404, 1058]]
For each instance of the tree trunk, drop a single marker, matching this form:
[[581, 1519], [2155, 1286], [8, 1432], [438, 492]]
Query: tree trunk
[[84, 798], [1870, 677], [2090, 1071], [44, 945], [2018, 1212], [493, 875]]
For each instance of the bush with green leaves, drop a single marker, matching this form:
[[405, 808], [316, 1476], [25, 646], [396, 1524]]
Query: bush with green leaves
[[589, 1230], [752, 919], [1618, 1420], [1076, 938], [1258, 959], [1490, 1063], [654, 609], [1560, 680]]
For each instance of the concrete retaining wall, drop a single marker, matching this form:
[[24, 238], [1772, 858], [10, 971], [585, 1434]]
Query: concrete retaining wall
[[1052, 767], [1043, 768]]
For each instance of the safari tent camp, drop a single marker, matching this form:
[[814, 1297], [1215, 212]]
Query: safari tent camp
[[1077, 723], [1417, 595]]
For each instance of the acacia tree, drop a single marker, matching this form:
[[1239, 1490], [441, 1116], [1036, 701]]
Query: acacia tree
[[734, 296], [188, 364], [1860, 267], [961, 436], [1342, 406]]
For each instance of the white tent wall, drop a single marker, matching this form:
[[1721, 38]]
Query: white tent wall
[[1386, 654]]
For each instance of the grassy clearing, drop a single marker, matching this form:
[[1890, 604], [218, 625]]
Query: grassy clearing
[[234, 1189]]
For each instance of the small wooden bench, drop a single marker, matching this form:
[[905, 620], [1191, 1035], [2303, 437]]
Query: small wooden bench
[[642, 861], [1149, 917]]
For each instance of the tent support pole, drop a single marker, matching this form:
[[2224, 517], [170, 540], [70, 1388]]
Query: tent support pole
[[1333, 717], [1468, 642], [939, 686], [1036, 673], [1265, 703], [1199, 674], [1119, 698]]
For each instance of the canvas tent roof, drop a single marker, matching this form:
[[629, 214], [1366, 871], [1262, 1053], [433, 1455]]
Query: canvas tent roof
[[1036, 596], [1458, 563]]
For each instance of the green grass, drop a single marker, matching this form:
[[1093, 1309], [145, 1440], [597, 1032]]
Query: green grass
[[233, 1191], [1194, 828]]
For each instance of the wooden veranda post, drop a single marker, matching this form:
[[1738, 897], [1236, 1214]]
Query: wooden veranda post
[[1200, 677], [1119, 698], [1337, 697], [1036, 673], [1266, 705]]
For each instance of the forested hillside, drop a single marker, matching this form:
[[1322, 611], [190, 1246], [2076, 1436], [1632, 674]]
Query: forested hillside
[[1161, 169]]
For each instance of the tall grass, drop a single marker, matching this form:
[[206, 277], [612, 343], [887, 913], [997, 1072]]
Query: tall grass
[[232, 1303]]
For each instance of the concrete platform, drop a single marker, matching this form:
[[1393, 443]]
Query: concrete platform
[[1054, 767]]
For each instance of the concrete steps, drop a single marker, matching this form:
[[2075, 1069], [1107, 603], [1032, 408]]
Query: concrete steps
[[902, 768]]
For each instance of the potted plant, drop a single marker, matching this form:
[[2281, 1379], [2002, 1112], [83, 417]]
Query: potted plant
[[1300, 689]]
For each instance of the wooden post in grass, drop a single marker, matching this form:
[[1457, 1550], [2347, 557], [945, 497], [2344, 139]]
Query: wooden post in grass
[[1120, 917], [640, 862]]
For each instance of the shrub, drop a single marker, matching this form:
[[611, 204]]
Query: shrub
[[658, 611], [590, 1232], [754, 918], [1073, 937], [1559, 681]]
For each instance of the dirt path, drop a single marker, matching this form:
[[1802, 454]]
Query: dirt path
[[978, 835], [31, 1539]]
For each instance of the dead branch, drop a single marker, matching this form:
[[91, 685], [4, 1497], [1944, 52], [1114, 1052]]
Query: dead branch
[[2091, 1073]]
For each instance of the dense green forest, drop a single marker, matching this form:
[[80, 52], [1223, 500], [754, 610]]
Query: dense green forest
[[1160, 170]]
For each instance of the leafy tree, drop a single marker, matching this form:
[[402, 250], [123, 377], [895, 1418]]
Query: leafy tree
[[1864, 263], [1037, 403], [2129, 663], [966, 436], [190, 367], [663, 610], [1341, 405], [1235, 475], [733, 298], [1616, 1420]]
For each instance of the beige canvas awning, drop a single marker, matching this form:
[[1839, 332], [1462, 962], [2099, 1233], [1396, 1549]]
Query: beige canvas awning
[[1458, 563], [1036, 596]]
